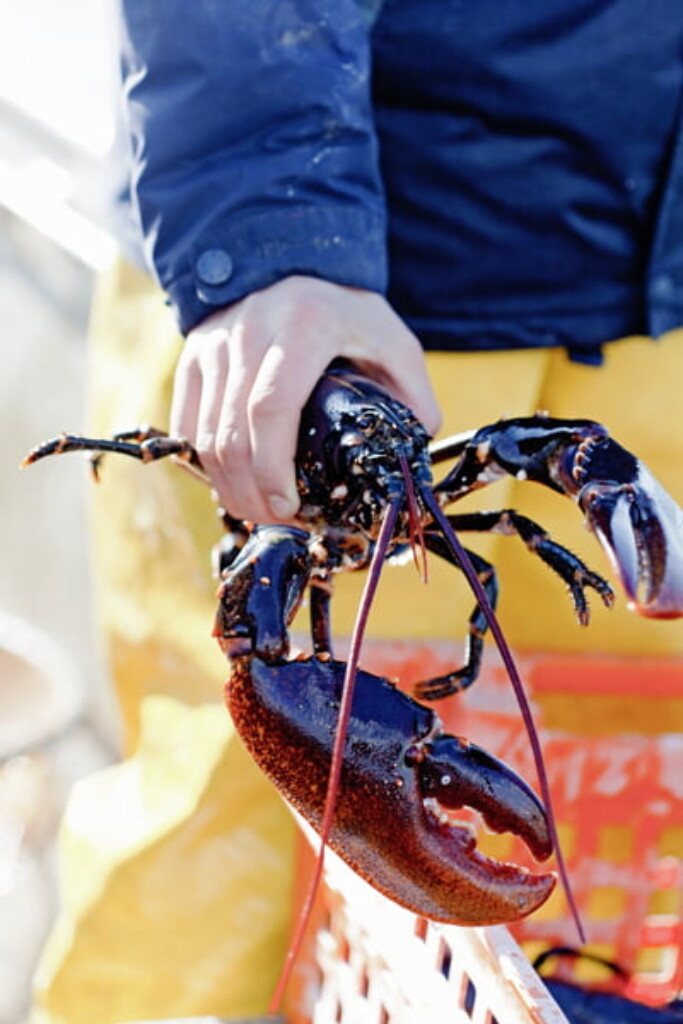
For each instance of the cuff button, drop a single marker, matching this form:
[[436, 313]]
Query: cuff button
[[214, 267]]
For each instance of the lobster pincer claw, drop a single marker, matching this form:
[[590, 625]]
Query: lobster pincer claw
[[457, 773], [400, 777], [640, 527]]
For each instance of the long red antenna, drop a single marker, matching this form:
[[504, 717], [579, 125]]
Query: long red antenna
[[348, 687], [474, 582], [518, 687]]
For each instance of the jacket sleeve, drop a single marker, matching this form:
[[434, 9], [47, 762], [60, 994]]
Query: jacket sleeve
[[252, 144]]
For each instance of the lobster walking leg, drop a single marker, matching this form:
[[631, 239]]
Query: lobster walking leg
[[462, 677], [574, 573]]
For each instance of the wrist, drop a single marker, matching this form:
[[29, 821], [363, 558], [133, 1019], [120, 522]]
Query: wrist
[[339, 245]]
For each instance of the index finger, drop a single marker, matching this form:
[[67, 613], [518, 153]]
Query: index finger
[[281, 389]]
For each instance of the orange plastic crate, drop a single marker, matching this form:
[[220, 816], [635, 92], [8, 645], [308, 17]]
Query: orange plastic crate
[[369, 961], [611, 734]]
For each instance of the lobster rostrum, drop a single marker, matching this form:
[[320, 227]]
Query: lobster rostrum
[[368, 766]]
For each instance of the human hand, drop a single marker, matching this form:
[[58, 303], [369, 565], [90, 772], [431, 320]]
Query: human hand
[[246, 372]]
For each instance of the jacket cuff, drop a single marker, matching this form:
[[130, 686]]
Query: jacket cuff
[[229, 261]]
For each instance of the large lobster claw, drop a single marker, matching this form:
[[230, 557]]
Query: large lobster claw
[[400, 775], [640, 527]]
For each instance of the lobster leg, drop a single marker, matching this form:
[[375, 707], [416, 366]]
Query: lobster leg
[[575, 574], [319, 596], [144, 443], [462, 677], [571, 570], [400, 777]]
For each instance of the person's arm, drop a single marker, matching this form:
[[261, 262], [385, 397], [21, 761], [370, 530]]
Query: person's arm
[[256, 179], [254, 154]]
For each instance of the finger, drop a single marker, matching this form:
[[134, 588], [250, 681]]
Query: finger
[[280, 391], [232, 450], [214, 370], [413, 387], [390, 353], [200, 386], [187, 385], [198, 391]]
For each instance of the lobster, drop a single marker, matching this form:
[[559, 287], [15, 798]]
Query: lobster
[[370, 767]]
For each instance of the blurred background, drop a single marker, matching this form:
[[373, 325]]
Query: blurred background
[[57, 721]]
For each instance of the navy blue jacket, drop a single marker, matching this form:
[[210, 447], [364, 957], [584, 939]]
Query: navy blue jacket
[[508, 172]]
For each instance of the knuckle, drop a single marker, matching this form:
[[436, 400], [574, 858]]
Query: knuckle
[[206, 449], [226, 457], [265, 404], [305, 303], [238, 508], [231, 447]]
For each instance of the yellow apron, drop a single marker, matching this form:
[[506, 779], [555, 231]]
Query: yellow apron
[[177, 863]]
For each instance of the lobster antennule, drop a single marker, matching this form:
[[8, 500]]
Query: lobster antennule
[[415, 527]]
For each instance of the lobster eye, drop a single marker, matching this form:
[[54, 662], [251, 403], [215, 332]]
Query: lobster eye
[[367, 422]]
